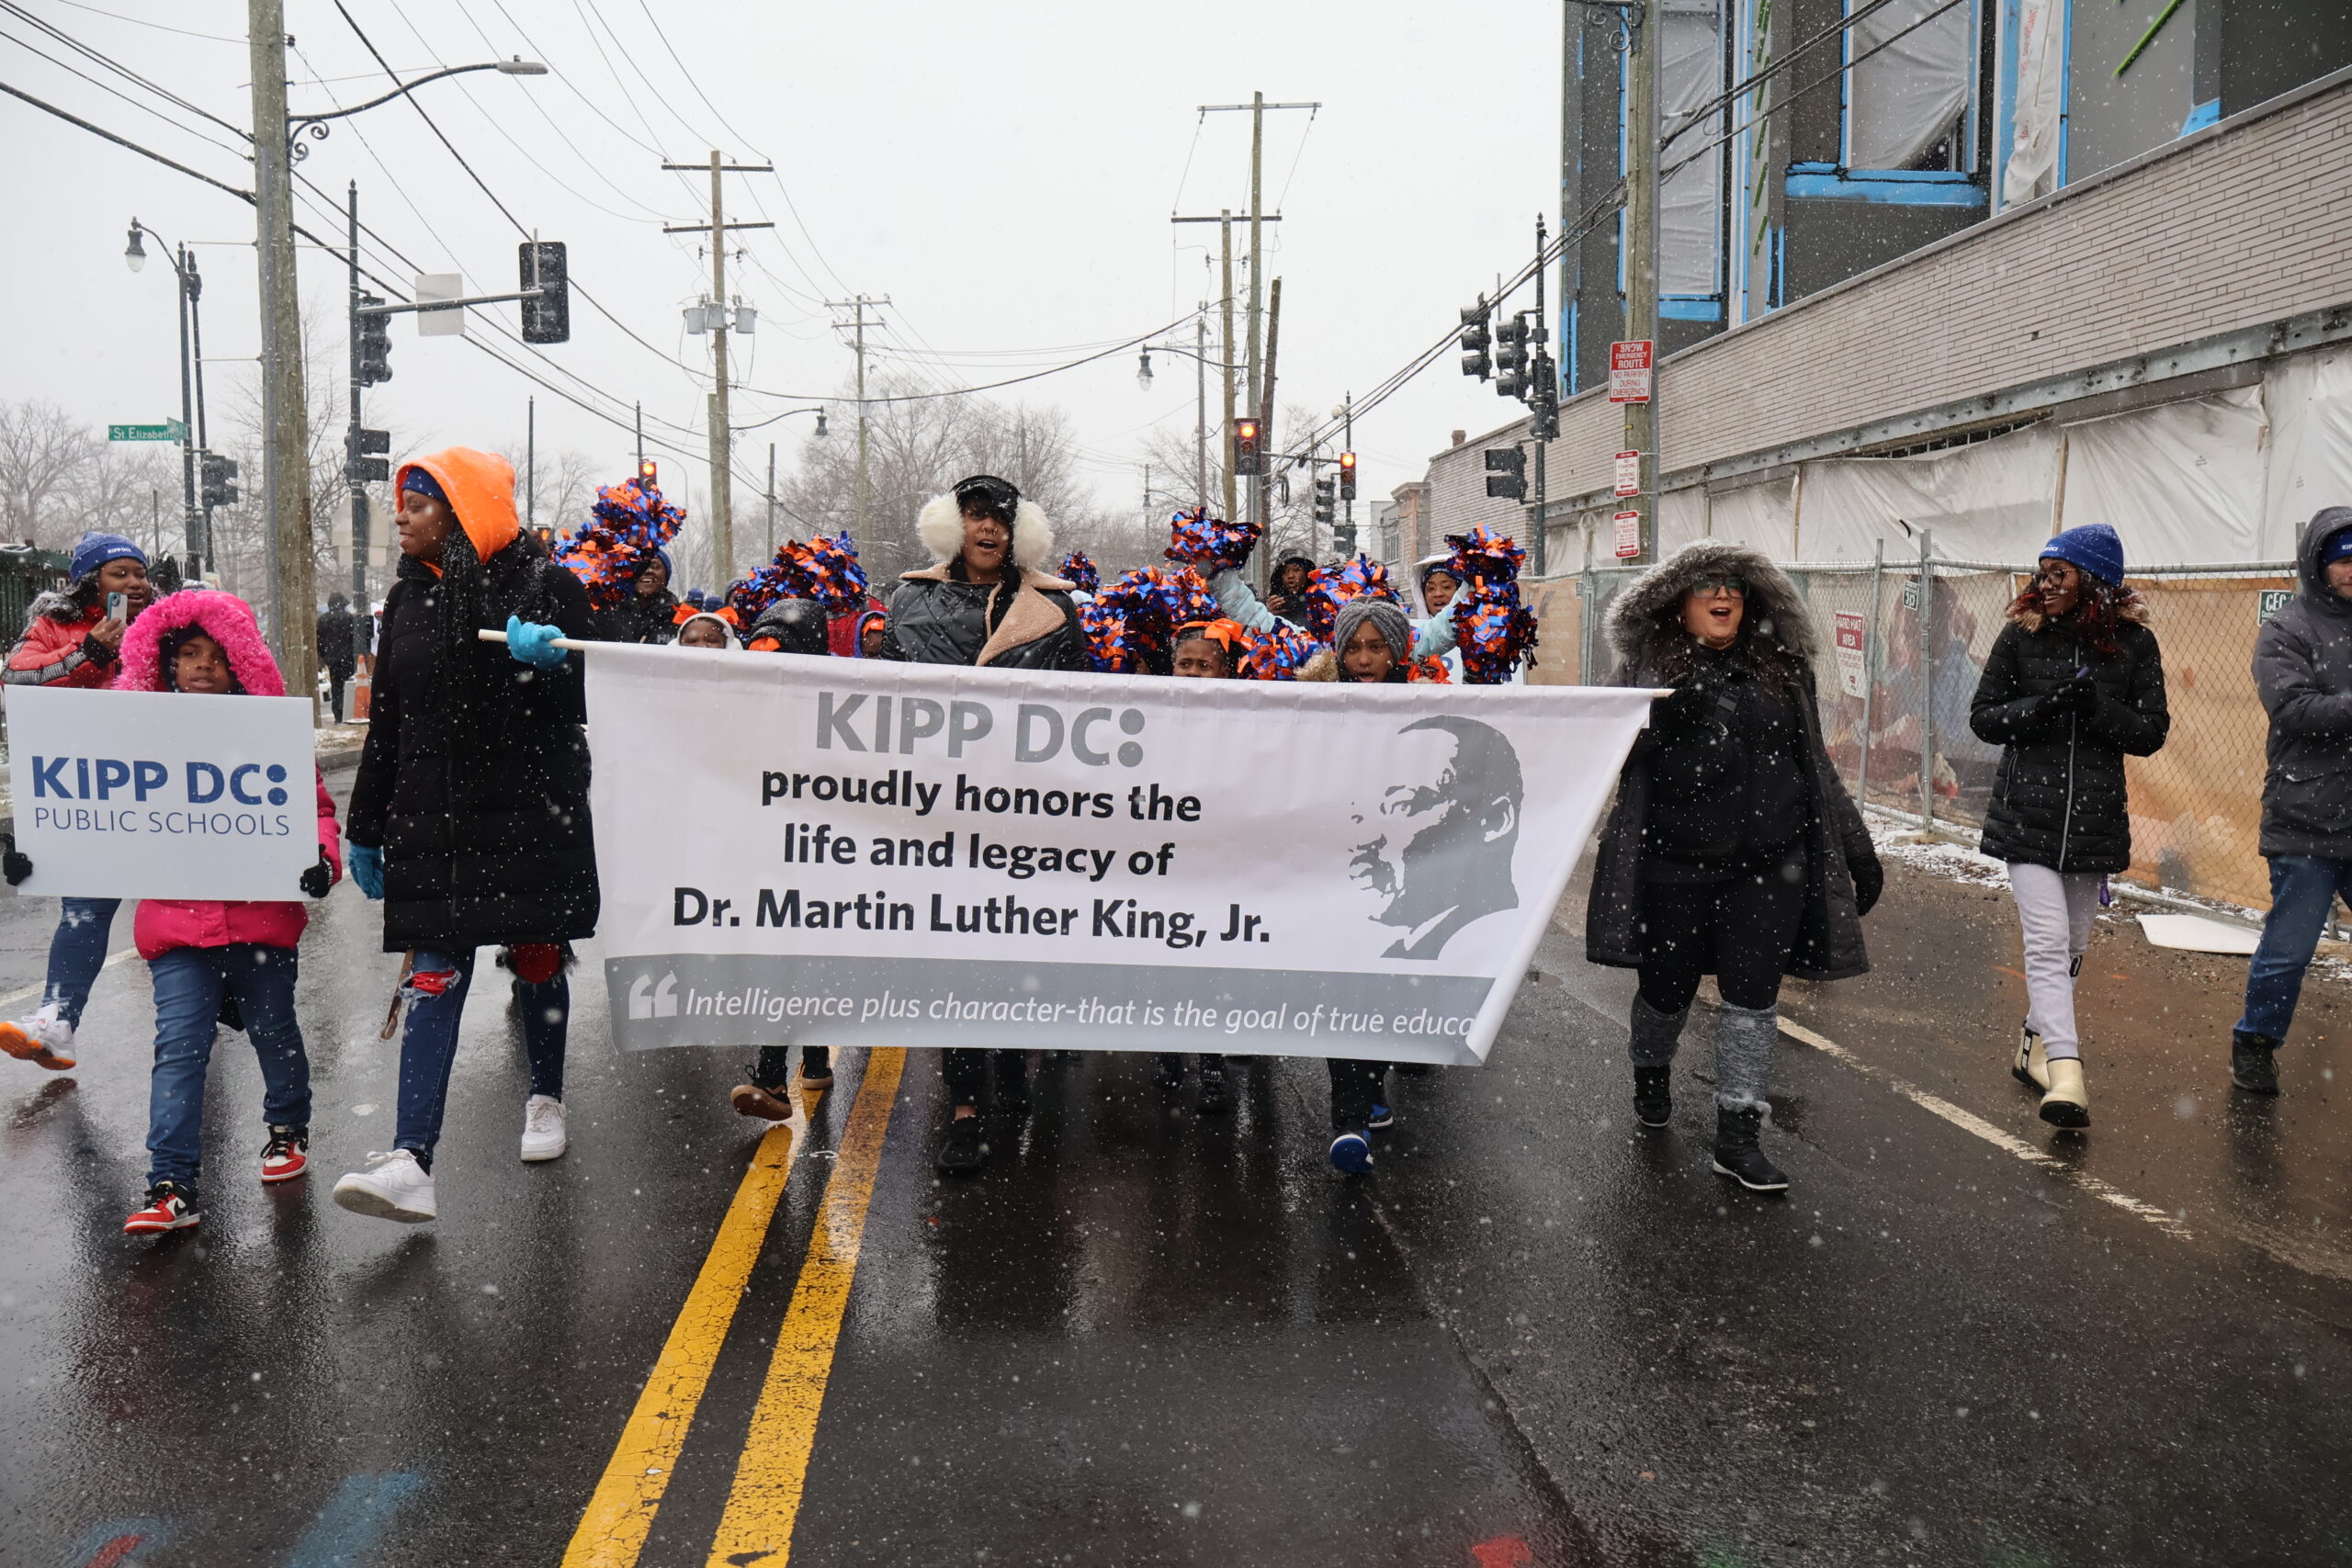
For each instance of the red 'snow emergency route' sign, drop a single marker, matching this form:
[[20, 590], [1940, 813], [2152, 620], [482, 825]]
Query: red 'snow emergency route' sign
[[1629, 371]]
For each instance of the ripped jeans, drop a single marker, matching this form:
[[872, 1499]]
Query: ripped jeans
[[76, 954], [435, 993]]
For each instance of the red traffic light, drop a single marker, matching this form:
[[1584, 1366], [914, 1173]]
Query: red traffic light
[[645, 470]]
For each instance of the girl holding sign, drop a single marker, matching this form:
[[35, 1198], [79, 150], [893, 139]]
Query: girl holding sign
[[74, 638], [1733, 849], [469, 816], [216, 962]]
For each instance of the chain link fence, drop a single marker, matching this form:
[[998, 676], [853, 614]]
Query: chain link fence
[[1905, 644]]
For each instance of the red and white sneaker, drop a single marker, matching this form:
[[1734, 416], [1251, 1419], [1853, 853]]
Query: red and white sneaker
[[44, 1039], [286, 1154], [168, 1209]]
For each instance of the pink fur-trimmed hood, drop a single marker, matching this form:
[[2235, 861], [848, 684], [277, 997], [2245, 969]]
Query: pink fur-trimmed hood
[[225, 619]]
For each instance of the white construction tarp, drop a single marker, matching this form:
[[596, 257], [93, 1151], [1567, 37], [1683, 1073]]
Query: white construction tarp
[[1681, 517], [1910, 93], [1689, 201], [2182, 482], [1989, 500], [2041, 100], [2309, 399], [1761, 516]]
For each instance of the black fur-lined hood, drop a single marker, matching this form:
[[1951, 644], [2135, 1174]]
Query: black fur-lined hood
[[1775, 610]]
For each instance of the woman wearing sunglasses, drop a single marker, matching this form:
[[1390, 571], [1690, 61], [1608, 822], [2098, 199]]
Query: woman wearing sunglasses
[[1733, 849], [2075, 684]]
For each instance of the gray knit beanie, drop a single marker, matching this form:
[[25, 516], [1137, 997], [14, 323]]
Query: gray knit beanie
[[1385, 617]]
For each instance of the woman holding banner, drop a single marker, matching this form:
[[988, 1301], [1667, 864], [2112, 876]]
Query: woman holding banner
[[1733, 849], [74, 638], [985, 600], [470, 814]]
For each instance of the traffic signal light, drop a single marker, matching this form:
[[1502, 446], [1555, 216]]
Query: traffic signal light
[[1474, 342], [645, 473], [1245, 446], [1344, 539], [1512, 358], [374, 336], [219, 481], [546, 319], [1323, 511], [1507, 473], [1347, 476], [360, 467]]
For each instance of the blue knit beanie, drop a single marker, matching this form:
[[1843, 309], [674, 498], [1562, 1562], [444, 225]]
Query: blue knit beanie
[[93, 550], [2094, 546]]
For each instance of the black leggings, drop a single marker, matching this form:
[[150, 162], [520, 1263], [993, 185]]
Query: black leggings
[[1356, 1087], [965, 1071], [1741, 930]]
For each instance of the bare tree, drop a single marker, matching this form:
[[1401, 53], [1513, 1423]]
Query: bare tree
[[43, 451], [135, 490]]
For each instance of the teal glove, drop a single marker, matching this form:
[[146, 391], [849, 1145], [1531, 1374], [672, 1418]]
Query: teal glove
[[367, 864], [533, 645]]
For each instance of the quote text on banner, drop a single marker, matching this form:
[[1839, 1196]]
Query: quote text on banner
[[828, 851]]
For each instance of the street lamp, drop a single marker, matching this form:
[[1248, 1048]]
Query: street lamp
[[134, 255], [191, 289], [1142, 372], [315, 126]]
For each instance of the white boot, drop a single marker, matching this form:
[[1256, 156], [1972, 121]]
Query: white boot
[[2068, 1103], [393, 1187]]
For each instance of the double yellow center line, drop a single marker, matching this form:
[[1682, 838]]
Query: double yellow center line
[[765, 1497]]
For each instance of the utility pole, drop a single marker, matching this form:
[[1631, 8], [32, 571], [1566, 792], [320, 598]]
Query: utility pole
[[1642, 43], [286, 489], [640, 438], [722, 519], [771, 533], [1226, 361], [530, 461], [1266, 410], [857, 325], [351, 445], [1201, 407]]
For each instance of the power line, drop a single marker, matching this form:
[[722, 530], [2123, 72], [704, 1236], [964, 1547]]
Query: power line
[[244, 196], [141, 21], [1835, 29], [146, 108], [991, 386], [99, 58]]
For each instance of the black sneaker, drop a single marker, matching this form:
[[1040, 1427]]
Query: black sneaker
[[1654, 1096], [816, 1067], [1214, 1100], [1012, 1084], [1381, 1119], [2253, 1065], [1737, 1156], [962, 1152]]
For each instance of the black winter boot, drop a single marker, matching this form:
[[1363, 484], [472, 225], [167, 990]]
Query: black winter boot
[[1736, 1154], [2253, 1062], [1653, 1095]]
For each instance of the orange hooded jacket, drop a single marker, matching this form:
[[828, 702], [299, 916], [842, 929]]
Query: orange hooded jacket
[[481, 488]]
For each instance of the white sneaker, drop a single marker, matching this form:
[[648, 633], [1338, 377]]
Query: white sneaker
[[44, 1039], [393, 1187], [543, 1135]]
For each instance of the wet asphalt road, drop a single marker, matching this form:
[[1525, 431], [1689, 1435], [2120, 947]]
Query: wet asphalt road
[[1532, 1337]]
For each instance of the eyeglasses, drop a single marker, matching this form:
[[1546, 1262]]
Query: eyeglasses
[[1734, 586]]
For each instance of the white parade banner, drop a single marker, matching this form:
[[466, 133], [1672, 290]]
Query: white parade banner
[[162, 794], [831, 852]]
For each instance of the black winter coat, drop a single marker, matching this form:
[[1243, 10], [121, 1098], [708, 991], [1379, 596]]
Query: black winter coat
[[338, 640], [474, 781], [936, 617], [639, 619], [1837, 844], [2059, 799], [2302, 671]]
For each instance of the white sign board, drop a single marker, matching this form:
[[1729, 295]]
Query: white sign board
[[1629, 534], [158, 794], [1853, 650], [857, 853], [1629, 371], [1628, 466]]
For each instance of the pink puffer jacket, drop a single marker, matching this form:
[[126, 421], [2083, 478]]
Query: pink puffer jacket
[[164, 924]]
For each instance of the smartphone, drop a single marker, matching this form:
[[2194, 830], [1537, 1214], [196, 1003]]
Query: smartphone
[[116, 604]]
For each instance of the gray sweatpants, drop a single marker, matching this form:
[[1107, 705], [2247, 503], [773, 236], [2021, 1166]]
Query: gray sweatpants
[[2054, 910]]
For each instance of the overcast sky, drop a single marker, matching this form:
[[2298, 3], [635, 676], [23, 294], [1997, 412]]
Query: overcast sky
[[1004, 172]]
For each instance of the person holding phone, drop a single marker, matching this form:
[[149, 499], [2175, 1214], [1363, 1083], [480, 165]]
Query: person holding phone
[[73, 637], [2075, 684]]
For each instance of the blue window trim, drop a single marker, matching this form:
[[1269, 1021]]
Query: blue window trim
[[2204, 114], [1689, 308], [2065, 90], [1569, 330], [1895, 187]]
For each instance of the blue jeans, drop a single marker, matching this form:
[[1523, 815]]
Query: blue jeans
[[189, 984], [76, 954], [435, 992], [2303, 888]]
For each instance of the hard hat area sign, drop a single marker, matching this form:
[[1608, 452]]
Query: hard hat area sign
[[1629, 371]]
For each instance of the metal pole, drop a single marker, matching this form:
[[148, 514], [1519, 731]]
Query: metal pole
[[722, 519], [640, 438], [1266, 408], [862, 530], [1348, 444], [1538, 362], [1871, 643], [530, 460], [187, 408], [1257, 272], [1927, 683], [200, 545], [1201, 407], [286, 413], [771, 532], [1642, 42], [1225, 225], [351, 446]]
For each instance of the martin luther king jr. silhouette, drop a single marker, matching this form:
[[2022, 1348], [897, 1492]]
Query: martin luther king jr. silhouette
[[1436, 846]]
